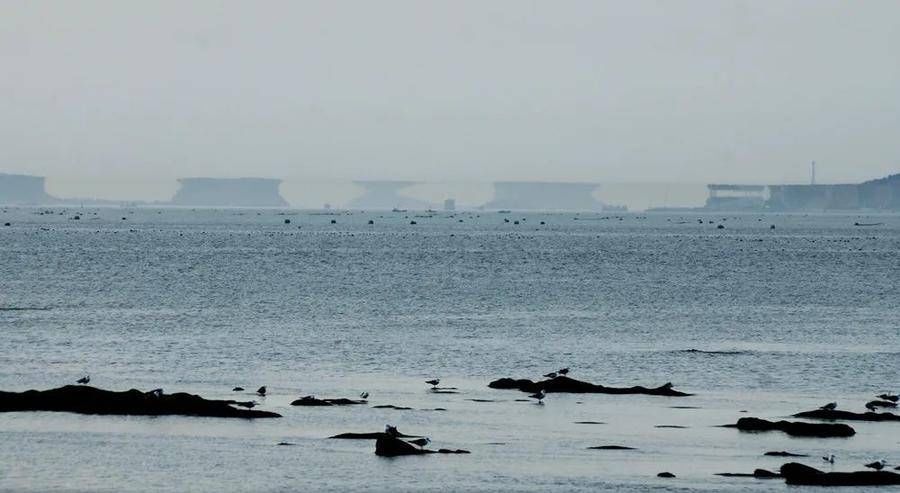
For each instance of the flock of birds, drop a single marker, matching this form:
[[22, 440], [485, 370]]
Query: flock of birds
[[886, 401]]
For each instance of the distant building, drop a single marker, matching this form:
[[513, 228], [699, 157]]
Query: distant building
[[881, 195], [736, 197], [23, 190], [450, 205], [878, 195], [544, 196], [229, 192]]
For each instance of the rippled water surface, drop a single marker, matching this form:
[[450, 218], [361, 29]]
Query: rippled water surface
[[785, 319]]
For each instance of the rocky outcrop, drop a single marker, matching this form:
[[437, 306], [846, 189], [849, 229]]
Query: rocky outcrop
[[312, 401], [835, 415], [388, 446], [784, 454], [795, 428], [90, 400], [795, 473], [570, 385], [370, 436]]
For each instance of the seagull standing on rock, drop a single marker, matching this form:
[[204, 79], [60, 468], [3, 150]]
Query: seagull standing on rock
[[563, 371], [84, 380], [434, 382], [877, 465], [829, 458], [364, 395], [539, 395], [831, 406], [551, 375], [391, 430]]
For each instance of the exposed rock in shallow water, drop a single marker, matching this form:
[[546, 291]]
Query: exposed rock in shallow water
[[570, 385], [611, 447], [757, 473], [312, 401], [675, 427], [388, 446], [84, 399], [835, 415], [795, 473], [784, 454], [391, 406], [795, 428], [590, 423], [665, 475], [369, 436]]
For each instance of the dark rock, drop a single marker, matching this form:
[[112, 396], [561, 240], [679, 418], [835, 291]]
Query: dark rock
[[369, 436], [765, 473], [91, 400], [286, 443], [834, 415], [784, 454], [388, 446], [238, 389], [391, 406], [872, 404], [677, 427], [566, 384], [312, 401], [795, 473], [665, 475], [611, 447], [795, 428], [590, 423]]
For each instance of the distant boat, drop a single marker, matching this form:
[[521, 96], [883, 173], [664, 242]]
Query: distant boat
[[395, 209]]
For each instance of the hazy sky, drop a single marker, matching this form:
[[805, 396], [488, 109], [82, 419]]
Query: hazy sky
[[744, 91]]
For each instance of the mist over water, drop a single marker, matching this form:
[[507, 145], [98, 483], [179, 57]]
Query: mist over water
[[785, 319]]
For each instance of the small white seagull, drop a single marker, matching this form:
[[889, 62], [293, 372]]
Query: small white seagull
[[829, 458], [364, 395], [539, 395], [84, 380], [877, 465]]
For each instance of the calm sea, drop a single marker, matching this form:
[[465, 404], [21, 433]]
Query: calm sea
[[785, 319]]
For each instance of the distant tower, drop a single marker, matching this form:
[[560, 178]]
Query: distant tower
[[812, 174]]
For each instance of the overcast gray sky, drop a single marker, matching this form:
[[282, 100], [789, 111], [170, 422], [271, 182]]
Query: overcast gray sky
[[683, 91]]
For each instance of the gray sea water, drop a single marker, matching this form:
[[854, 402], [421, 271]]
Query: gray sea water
[[203, 300]]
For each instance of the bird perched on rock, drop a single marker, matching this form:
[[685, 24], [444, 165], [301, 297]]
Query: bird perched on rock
[[261, 391], [877, 465], [563, 371], [421, 442], [550, 375], [156, 392], [539, 395], [84, 380], [363, 395], [391, 430], [434, 382], [829, 458], [831, 406]]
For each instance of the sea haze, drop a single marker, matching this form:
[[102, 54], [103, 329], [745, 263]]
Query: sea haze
[[783, 319]]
